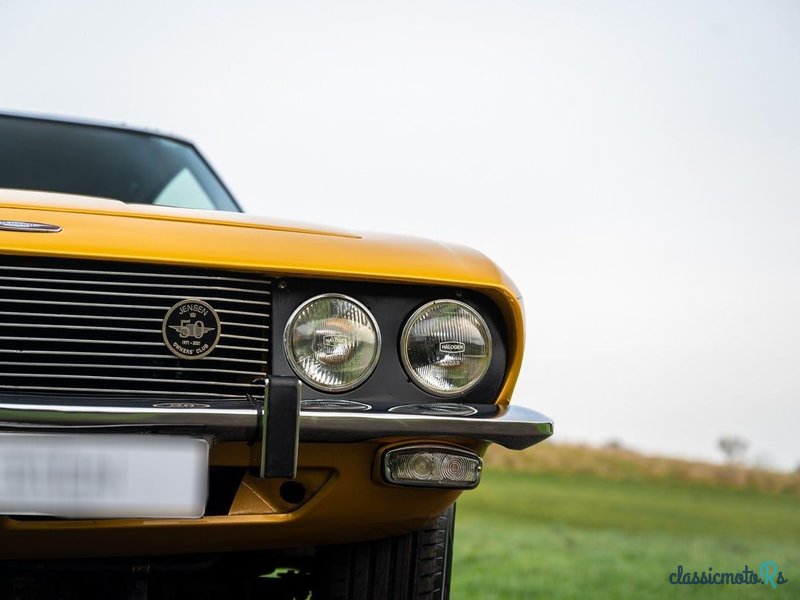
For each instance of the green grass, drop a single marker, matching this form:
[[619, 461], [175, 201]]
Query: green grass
[[541, 535]]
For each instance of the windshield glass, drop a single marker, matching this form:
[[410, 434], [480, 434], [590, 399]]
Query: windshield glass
[[52, 156]]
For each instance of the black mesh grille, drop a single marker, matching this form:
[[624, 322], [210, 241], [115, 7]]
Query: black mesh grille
[[89, 326]]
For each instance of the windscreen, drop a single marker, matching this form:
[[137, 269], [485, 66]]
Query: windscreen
[[52, 156]]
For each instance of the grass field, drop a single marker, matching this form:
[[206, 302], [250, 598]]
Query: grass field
[[546, 528]]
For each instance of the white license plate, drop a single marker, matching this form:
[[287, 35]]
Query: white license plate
[[103, 476]]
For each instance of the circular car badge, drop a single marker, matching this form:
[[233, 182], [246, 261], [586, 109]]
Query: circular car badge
[[191, 329]]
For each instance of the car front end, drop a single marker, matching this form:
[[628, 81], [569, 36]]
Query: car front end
[[186, 379]]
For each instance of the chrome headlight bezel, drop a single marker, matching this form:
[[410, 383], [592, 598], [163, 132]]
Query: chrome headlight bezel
[[406, 362], [298, 369]]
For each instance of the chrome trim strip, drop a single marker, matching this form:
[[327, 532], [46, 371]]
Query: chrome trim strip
[[514, 427], [11, 363], [224, 311], [113, 318], [29, 227], [123, 355], [167, 393], [136, 295], [146, 284], [81, 327], [241, 337], [134, 274], [18, 338], [78, 316], [162, 308], [250, 325], [117, 342], [179, 382], [241, 348]]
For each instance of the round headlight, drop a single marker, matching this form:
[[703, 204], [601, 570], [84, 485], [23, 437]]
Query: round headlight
[[446, 347], [332, 342]]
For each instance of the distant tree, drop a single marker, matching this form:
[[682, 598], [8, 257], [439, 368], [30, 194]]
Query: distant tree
[[733, 448]]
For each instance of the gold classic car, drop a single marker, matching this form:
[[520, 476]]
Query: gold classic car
[[185, 389]]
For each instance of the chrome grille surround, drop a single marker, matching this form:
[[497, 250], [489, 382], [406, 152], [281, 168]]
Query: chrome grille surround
[[86, 326]]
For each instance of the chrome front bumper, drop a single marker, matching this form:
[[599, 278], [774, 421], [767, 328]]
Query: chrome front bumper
[[244, 419], [514, 427]]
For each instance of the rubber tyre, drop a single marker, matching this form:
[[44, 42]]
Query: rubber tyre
[[415, 566]]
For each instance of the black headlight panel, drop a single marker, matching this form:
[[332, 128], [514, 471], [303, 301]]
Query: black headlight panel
[[388, 344]]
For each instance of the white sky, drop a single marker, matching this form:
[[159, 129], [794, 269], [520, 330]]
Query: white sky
[[634, 166]]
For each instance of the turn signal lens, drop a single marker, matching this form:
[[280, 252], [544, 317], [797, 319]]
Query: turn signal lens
[[446, 347], [432, 467], [332, 342]]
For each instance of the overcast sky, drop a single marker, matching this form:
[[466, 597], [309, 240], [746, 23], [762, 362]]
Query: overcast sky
[[634, 166]]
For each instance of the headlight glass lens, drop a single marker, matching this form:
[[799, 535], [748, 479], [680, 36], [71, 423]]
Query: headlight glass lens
[[332, 342], [446, 347]]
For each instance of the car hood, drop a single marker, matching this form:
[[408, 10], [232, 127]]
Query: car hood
[[110, 229]]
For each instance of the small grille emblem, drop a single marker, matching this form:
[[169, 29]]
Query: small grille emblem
[[29, 227], [191, 329]]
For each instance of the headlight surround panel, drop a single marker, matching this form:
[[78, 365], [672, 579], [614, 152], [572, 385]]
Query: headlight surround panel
[[391, 306]]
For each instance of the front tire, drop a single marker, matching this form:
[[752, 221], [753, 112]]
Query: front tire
[[414, 566]]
